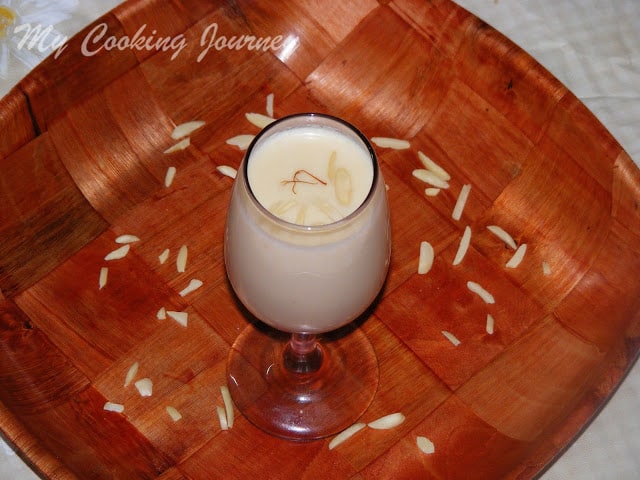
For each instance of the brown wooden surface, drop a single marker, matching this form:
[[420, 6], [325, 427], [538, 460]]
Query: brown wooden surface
[[81, 162]]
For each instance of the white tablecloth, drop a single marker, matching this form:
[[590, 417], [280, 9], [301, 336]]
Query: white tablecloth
[[592, 46]]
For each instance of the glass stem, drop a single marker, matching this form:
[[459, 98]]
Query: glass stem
[[302, 354]]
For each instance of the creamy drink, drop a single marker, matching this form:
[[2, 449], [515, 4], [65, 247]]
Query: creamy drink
[[307, 243], [310, 175], [306, 249]]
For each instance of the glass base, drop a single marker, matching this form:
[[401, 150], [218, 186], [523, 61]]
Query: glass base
[[302, 401]]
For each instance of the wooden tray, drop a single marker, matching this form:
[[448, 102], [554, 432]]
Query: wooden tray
[[82, 162]]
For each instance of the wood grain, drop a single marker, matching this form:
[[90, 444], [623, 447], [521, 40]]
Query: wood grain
[[82, 162]]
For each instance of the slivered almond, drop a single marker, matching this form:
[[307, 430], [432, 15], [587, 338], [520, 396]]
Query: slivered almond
[[240, 141], [258, 119], [387, 422], [546, 268], [113, 407], [434, 167], [169, 176], [118, 253], [181, 145], [301, 215], [432, 192], [429, 177], [502, 235], [269, 106], [180, 317], [463, 196], [194, 284], [228, 405], [490, 324], [181, 259], [346, 434], [127, 239], [393, 143], [186, 128], [481, 292], [451, 337], [173, 413], [343, 187], [329, 210], [102, 280], [517, 257], [162, 314], [282, 207], [164, 256], [425, 262], [227, 171], [425, 445], [131, 374], [222, 418], [331, 167], [464, 246], [145, 387]]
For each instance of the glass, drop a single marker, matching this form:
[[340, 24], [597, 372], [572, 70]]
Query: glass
[[302, 369]]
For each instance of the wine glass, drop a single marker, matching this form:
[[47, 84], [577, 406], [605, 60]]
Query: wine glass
[[307, 248]]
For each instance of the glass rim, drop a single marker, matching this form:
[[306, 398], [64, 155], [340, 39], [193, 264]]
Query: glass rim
[[326, 226]]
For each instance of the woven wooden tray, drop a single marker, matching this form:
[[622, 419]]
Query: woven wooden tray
[[82, 162]]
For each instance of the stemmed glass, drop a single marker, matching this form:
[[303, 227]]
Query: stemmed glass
[[306, 268]]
